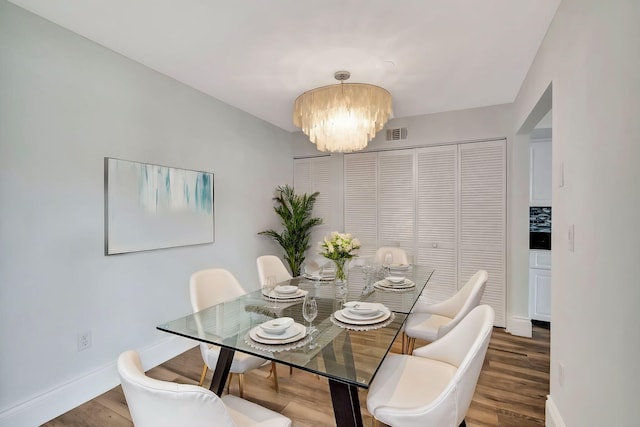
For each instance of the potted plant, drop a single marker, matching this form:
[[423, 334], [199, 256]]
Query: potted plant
[[295, 212]]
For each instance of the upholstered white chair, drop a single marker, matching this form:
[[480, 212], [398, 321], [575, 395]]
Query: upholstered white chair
[[210, 287], [399, 255], [434, 386], [155, 403], [432, 321], [271, 266]]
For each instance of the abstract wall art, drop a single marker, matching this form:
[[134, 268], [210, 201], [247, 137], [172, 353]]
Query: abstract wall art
[[152, 207]]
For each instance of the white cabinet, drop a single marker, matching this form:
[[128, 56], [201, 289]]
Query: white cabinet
[[540, 285], [311, 175], [540, 172], [444, 205], [437, 218]]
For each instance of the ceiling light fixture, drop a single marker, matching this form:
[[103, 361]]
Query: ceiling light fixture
[[342, 117]]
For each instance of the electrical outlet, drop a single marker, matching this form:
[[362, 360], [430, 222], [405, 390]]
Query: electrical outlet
[[84, 340]]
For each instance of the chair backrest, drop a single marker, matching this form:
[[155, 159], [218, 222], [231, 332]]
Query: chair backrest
[[270, 265], [399, 255], [464, 347], [212, 286], [155, 403], [465, 300]]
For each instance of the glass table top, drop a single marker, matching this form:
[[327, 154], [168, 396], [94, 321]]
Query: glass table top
[[346, 355]]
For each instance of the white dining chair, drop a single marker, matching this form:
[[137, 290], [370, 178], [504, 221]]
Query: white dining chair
[[156, 403], [432, 321], [398, 255], [271, 266], [213, 286], [434, 386]]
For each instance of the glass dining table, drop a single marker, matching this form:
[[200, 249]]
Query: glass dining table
[[346, 352]]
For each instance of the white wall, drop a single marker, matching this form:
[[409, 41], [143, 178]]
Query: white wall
[[66, 103], [432, 129], [591, 57]]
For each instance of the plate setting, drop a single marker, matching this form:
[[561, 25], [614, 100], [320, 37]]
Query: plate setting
[[327, 278], [286, 289], [275, 295], [292, 334], [387, 285], [346, 319], [347, 316]]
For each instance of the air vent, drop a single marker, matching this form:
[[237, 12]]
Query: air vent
[[397, 134]]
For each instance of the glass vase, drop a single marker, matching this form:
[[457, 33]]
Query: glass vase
[[342, 270]]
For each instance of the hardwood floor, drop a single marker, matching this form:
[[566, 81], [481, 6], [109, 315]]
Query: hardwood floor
[[511, 390]]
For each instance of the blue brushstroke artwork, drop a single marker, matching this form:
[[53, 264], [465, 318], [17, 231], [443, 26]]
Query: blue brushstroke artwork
[[151, 206]]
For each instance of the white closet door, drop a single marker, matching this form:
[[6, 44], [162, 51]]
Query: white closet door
[[396, 199], [311, 175], [361, 199], [482, 210], [437, 218]]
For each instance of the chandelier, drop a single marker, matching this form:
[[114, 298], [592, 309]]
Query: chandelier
[[342, 117]]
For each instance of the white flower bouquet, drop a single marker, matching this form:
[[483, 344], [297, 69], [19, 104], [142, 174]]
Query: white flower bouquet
[[339, 247]]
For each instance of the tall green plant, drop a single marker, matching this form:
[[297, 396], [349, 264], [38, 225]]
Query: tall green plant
[[295, 212]]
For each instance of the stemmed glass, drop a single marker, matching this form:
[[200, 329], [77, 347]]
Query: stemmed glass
[[388, 260], [268, 287], [309, 312]]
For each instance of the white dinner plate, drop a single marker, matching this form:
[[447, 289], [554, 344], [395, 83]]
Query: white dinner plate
[[275, 295], [321, 278], [404, 285], [364, 308], [300, 333], [291, 331], [286, 289], [354, 315], [399, 267], [342, 318], [277, 326]]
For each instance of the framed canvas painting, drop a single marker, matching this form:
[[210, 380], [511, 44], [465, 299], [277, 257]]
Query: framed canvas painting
[[152, 207]]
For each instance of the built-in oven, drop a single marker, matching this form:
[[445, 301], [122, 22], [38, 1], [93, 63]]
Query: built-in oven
[[540, 227], [539, 240]]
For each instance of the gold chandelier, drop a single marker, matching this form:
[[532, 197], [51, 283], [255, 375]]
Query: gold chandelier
[[342, 117]]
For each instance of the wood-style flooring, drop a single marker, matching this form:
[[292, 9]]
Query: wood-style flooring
[[511, 390]]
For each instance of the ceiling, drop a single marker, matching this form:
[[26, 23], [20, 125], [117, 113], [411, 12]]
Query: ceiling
[[259, 55]]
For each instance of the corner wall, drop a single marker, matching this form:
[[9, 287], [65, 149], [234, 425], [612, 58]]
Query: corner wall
[[590, 55], [66, 104]]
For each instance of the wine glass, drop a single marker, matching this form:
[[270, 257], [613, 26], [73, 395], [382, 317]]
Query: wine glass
[[309, 312], [268, 288], [387, 261]]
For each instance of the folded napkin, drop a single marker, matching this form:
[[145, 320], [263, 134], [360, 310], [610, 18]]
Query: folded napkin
[[277, 325], [328, 272], [317, 269], [361, 305]]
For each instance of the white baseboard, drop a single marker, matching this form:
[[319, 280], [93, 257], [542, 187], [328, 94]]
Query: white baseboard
[[520, 326], [64, 397], [552, 415]]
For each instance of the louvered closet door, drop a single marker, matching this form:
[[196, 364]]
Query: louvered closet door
[[311, 175], [396, 199], [482, 210], [361, 199], [437, 218]]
